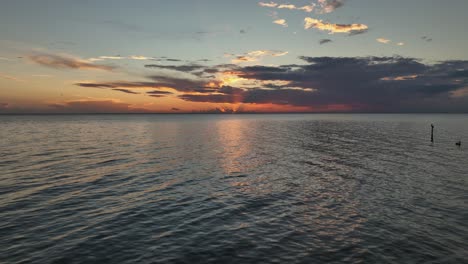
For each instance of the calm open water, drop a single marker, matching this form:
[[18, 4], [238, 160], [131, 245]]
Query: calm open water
[[233, 189]]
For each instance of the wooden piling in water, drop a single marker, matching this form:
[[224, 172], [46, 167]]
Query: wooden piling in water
[[432, 133]]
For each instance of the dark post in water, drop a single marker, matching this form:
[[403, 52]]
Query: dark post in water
[[432, 133]]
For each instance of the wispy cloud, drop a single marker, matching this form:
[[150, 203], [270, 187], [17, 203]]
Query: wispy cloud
[[324, 41], [133, 57], [256, 55], [101, 58], [426, 38], [159, 93], [66, 62], [139, 57], [334, 28], [383, 40], [400, 44], [289, 6], [42, 75], [306, 8], [271, 4], [400, 78], [125, 91], [9, 77], [328, 6], [4, 106], [4, 59], [281, 22]]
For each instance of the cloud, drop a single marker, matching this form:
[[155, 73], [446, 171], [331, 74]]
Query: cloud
[[306, 8], [139, 57], [281, 22], [328, 6], [400, 78], [175, 109], [271, 4], [383, 40], [158, 93], [101, 58], [96, 106], [182, 68], [373, 84], [118, 57], [426, 38], [463, 92], [66, 62], [4, 59], [334, 28], [173, 60], [42, 75], [125, 91], [284, 6], [4, 106], [158, 82], [9, 77], [360, 84], [256, 55], [325, 41], [400, 44]]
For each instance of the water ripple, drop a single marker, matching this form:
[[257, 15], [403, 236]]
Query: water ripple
[[233, 189]]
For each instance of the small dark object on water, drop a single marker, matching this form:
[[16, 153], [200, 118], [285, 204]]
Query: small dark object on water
[[458, 143], [432, 133]]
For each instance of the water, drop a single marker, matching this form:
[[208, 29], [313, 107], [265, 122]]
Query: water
[[233, 189]]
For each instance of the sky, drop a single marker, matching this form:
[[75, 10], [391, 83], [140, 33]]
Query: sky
[[216, 56]]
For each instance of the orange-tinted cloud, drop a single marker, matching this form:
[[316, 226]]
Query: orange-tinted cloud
[[306, 8], [4, 106], [66, 62], [463, 92], [281, 22], [334, 28], [257, 55], [9, 77]]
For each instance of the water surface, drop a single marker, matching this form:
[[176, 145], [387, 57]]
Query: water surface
[[233, 189]]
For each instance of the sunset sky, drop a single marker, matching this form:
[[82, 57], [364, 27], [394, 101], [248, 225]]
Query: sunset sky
[[120, 56]]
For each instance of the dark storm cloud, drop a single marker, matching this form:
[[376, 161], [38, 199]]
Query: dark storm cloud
[[325, 41], [387, 84], [371, 84]]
